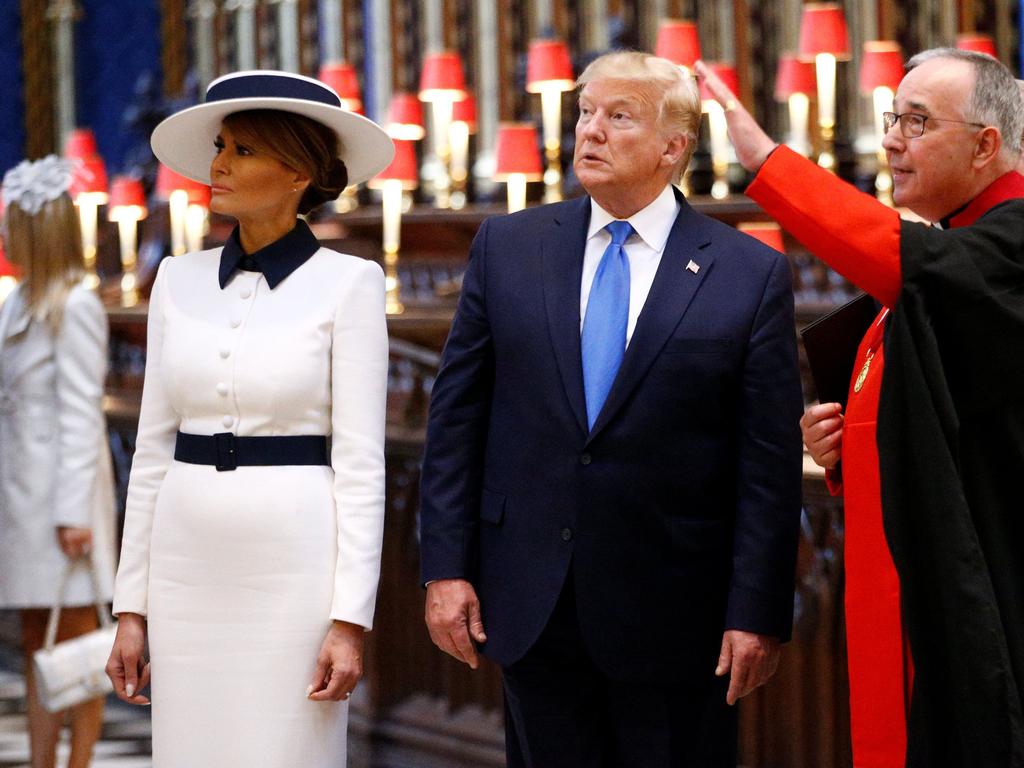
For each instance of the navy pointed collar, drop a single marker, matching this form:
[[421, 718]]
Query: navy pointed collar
[[276, 261]]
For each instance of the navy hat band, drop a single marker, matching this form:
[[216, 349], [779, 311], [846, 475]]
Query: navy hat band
[[270, 87]]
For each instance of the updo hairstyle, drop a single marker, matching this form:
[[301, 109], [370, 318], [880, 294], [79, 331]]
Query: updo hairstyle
[[300, 143]]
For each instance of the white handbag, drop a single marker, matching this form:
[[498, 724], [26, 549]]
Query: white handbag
[[74, 671]]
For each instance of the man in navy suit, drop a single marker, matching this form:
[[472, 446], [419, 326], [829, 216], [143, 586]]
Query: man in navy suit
[[611, 483]]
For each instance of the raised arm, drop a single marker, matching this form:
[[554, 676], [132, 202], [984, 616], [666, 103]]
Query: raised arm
[[849, 230]]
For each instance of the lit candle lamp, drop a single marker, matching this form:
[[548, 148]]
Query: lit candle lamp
[[88, 190], [181, 194], [823, 39], [342, 77], [394, 181], [977, 43], [679, 42], [517, 161], [127, 208], [197, 222], [463, 126], [442, 83], [719, 128], [768, 232], [405, 118], [795, 83], [549, 73], [8, 276], [881, 70]]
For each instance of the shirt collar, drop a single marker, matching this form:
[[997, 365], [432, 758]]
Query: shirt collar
[[276, 261], [653, 224], [1009, 186]]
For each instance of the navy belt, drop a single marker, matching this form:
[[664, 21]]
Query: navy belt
[[226, 451]]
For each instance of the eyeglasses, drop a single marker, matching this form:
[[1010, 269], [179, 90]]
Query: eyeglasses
[[912, 124]]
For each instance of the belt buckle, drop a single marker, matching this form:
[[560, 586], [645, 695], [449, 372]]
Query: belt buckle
[[226, 458]]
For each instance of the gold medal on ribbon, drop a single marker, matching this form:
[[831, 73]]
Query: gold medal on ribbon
[[862, 376]]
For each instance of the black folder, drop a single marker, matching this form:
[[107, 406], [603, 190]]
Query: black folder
[[831, 344]]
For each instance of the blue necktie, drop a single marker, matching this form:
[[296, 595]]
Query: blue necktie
[[603, 340]]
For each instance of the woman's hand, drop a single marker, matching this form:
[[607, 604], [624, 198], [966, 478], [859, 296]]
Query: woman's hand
[[822, 429], [74, 542], [127, 668], [339, 666]]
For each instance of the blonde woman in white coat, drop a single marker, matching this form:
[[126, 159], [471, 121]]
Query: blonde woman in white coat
[[251, 549], [56, 483]]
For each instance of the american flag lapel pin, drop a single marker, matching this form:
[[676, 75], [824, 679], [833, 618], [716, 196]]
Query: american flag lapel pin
[[693, 266]]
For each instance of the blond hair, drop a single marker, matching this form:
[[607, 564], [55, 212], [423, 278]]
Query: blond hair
[[47, 246], [679, 107]]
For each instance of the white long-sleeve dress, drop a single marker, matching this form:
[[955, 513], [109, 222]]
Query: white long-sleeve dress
[[55, 466], [241, 572]]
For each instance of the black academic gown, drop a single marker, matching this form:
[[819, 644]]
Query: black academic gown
[[951, 449]]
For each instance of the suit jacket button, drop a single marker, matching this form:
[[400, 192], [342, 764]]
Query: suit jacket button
[[567, 534], [585, 459]]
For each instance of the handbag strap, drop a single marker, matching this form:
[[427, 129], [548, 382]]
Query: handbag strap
[[101, 609]]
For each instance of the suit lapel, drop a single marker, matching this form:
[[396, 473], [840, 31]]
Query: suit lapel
[[562, 255], [674, 286]]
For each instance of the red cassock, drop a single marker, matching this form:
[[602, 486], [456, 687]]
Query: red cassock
[[860, 238]]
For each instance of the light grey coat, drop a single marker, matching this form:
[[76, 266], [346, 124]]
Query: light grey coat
[[55, 467]]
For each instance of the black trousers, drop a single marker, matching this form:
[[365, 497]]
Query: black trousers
[[562, 711]]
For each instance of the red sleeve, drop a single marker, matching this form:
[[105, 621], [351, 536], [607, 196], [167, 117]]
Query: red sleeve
[[849, 230]]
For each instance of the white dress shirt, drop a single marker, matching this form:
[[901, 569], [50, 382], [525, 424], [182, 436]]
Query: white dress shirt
[[643, 249]]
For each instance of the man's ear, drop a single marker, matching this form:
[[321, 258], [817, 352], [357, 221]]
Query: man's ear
[[987, 146], [675, 147]]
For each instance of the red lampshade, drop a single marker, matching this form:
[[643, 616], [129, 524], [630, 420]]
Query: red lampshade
[[405, 117], [726, 73], [442, 77], [823, 30], [80, 144], [6, 268], [89, 177], [548, 66], [768, 232], [678, 42], [978, 43], [168, 181], [341, 76], [516, 151], [882, 66], [127, 199], [795, 76], [465, 112], [403, 168]]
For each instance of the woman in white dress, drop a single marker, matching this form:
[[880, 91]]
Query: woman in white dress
[[252, 540], [56, 481]]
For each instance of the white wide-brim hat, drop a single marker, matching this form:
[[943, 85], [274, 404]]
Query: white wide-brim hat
[[184, 141]]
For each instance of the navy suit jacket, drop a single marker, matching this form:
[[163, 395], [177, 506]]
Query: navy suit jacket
[[677, 515]]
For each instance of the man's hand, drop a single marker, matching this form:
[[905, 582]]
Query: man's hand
[[751, 658], [822, 430], [453, 618], [752, 144]]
